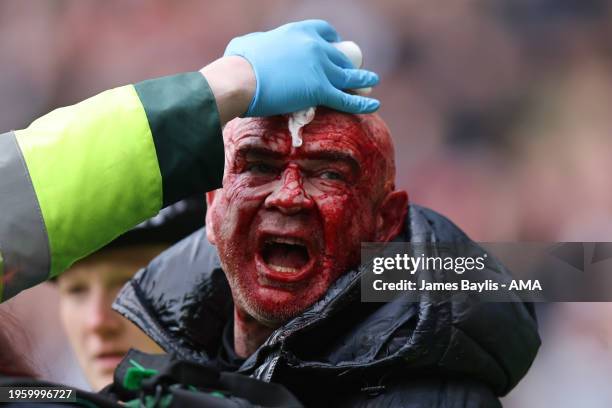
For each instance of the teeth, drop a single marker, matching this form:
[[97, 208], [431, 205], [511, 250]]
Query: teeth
[[285, 240], [283, 269]]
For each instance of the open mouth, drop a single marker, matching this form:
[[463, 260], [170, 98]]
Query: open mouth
[[286, 255], [285, 258]]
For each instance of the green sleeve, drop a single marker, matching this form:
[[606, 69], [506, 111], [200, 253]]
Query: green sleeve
[[80, 176]]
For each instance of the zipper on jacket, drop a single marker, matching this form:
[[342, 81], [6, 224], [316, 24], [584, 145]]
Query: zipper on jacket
[[271, 367]]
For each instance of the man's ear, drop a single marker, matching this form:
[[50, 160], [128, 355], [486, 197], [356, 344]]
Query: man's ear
[[210, 202], [391, 216]]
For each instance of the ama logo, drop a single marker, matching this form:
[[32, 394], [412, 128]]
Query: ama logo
[[525, 285]]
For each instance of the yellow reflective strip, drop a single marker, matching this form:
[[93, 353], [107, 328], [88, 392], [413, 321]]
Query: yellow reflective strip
[[94, 170]]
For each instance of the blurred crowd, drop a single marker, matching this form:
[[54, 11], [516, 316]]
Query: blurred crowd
[[499, 109]]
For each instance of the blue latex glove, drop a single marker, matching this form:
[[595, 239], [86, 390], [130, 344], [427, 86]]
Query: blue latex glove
[[296, 67]]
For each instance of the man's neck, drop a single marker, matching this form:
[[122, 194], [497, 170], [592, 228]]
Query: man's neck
[[249, 334]]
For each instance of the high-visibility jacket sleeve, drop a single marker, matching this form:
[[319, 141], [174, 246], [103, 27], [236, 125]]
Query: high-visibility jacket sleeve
[[80, 176]]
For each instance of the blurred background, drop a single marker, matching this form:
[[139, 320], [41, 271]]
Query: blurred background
[[501, 112]]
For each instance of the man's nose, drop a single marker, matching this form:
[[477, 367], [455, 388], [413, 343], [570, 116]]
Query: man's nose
[[101, 319], [290, 197]]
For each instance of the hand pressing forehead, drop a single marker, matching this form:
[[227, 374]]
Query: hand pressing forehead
[[289, 221]]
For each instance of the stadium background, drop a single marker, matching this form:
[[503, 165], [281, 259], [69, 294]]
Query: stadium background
[[500, 111]]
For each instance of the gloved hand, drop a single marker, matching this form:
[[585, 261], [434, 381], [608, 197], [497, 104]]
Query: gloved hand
[[296, 67]]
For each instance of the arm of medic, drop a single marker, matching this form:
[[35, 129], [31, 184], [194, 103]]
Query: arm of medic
[[80, 176]]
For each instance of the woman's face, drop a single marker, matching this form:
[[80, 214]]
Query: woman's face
[[100, 336]]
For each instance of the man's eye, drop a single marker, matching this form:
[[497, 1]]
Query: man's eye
[[261, 168], [331, 175]]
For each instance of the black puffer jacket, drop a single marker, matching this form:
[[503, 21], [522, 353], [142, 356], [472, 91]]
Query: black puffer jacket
[[341, 352]]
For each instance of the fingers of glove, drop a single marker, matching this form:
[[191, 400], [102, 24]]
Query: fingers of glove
[[336, 56], [351, 78], [345, 102], [359, 78], [322, 28]]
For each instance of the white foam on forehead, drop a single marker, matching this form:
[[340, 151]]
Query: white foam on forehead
[[297, 120]]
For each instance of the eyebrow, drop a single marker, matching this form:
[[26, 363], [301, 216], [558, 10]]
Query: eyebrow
[[262, 152], [334, 156]]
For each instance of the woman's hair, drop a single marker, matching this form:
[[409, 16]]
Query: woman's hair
[[11, 362]]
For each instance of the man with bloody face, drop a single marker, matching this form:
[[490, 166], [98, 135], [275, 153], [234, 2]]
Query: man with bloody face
[[290, 220], [271, 287]]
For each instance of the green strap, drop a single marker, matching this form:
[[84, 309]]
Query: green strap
[[136, 374], [150, 402]]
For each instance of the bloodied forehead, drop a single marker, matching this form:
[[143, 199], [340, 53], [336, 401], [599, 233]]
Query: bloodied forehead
[[360, 136]]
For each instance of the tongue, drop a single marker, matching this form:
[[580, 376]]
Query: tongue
[[287, 256]]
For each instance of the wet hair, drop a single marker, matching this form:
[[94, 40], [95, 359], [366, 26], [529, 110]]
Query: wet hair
[[12, 364]]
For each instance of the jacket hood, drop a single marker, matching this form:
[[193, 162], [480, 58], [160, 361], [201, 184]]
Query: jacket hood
[[182, 301]]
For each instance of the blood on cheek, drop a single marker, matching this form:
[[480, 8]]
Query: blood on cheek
[[342, 232]]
